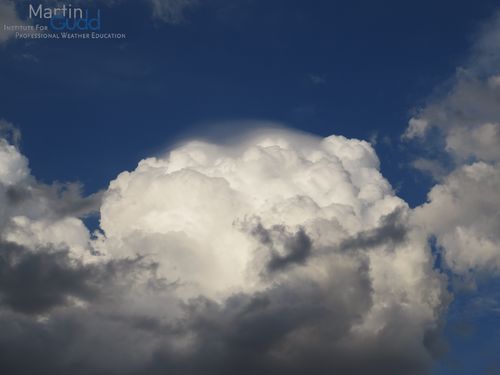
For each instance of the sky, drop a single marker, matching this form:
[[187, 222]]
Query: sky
[[279, 187]]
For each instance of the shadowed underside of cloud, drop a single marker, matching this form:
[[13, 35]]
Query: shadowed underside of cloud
[[37, 281], [34, 282], [297, 247], [279, 253], [391, 231]]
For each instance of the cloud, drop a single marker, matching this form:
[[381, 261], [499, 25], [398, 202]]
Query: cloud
[[39, 215], [279, 252], [10, 132], [8, 16], [391, 231], [14, 167], [462, 209], [416, 128], [168, 11], [172, 11], [35, 281], [462, 212], [261, 223], [467, 116], [317, 79], [63, 200], [296, 247], [485, 54], [431, 167]]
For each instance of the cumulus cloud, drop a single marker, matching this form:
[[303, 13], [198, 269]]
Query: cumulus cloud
[[463, 213], [462, 210], [277, 253], [331, 188], [467, 115], [467, 118], [35, 214]]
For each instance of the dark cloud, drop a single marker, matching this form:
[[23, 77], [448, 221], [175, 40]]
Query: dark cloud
[[33, 282], [294, 327], [392, 230], [72, 202], [273, 332], [296, 247], [297, 328], [62, 200], [17, 194]]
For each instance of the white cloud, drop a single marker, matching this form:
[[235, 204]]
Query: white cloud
[[37, 215], [468, 118], [214, 216], [281, 246], [463, 214], [462, 210], [195, 201], [14, 166], [468, 115]]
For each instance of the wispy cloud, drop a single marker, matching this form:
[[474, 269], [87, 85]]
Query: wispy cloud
[[317, 79]]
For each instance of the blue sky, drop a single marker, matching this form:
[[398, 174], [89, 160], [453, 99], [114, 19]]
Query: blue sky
[[89, 110], [231, 61]]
